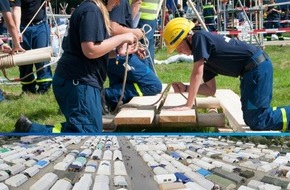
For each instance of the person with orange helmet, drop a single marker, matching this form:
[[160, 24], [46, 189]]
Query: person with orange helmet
[[215, 54]]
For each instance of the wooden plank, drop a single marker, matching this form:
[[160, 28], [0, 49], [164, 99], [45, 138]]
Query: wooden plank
[[168, 116], [230, 102], [140, 113], [133, 116]]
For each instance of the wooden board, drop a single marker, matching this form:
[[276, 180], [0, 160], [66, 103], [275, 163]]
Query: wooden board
[[131, 117], [230, 102], [138, 115], [167, 115]]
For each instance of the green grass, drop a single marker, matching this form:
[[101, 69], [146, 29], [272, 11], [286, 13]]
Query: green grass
[[44, 109]]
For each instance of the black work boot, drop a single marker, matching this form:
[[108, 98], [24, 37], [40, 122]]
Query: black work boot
[[23, 125]]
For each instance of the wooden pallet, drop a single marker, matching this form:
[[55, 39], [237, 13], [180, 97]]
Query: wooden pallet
[[226, 101]]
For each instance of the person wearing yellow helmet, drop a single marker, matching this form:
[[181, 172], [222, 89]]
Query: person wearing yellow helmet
[[214, 54]]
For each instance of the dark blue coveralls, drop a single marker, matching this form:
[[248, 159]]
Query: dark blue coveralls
[[273, 21], [78, 80], [36, 36], [235, 58], [208, 15], [141, 80], [4, 7]]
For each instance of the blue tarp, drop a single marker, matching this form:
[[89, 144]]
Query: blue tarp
[[182, 178], [175, 155], [203, 172], [41, 163]]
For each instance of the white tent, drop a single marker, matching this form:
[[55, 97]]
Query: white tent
[[97, 154], [17, 180], [207, 184], [167, 157], [194, 167], [120, 181], [104, 168], [61, 184], [29, 163], [107, 155], [117, 155], [193, 154], [203, 164], [62, 166], [101, 185], [194, 186], [91, 166], [84, 183], [69, 158], [3, 186], [147, 157], [45, 182], [171, 169], [242, 187], [159, 170], [3, 175], [31, 171], [165, 178], [255, 184], [17, 168], [119, 168], [228, 168]]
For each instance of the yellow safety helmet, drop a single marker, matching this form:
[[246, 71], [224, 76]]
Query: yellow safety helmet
[[175, 31]]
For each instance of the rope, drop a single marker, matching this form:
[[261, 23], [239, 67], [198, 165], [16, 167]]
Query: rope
[[120, 102], [146, 45]]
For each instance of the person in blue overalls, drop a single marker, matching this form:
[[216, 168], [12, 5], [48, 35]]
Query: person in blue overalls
[[208, 14], [141, 80], [81, 70], [7, 16], [216, 54], [273, 20], [37, 35]]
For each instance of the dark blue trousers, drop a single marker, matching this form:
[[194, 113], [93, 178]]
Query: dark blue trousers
[[141, 81], [79, 103], [256, 95], [34, 37]]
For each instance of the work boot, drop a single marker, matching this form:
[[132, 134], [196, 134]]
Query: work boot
[[22, 125], [105, 107]]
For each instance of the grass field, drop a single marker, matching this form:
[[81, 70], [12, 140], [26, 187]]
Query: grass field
[[44, 109]]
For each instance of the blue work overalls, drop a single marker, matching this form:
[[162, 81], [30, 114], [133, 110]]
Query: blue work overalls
[[76, 101], [256, 95], [141, 80], [36, 36]]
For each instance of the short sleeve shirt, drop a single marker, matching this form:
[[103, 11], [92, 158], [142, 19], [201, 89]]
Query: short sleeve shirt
[[86, 25], [122, 14], [4, 6], [223, 55], [28, 9]]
